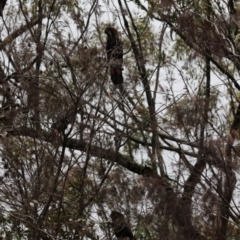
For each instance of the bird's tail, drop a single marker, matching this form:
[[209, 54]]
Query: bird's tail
[[116, 76]]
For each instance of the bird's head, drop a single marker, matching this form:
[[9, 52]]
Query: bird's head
[[110, 31]]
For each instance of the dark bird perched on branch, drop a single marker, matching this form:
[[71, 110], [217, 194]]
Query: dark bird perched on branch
[[114, 50], [231, 7], [120, 228], [234, 132], [2, 5], [236, 122], [62, 121]]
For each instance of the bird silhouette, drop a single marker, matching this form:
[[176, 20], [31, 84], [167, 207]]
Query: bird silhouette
[[120, 227], [114, 51], [2, 5]]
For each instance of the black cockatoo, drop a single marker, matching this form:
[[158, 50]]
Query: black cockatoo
[[2, 5], [60, 124], [120, 228], [236, 122], [62, 121], [114, 50]]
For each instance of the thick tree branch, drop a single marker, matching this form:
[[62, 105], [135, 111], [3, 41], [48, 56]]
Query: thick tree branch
[[96, 151], [17, 33]]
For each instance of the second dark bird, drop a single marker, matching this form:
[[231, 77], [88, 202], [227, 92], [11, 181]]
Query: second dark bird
[[114, 51], [236, 122], [62, 120], [2, 5], [120, 227]]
